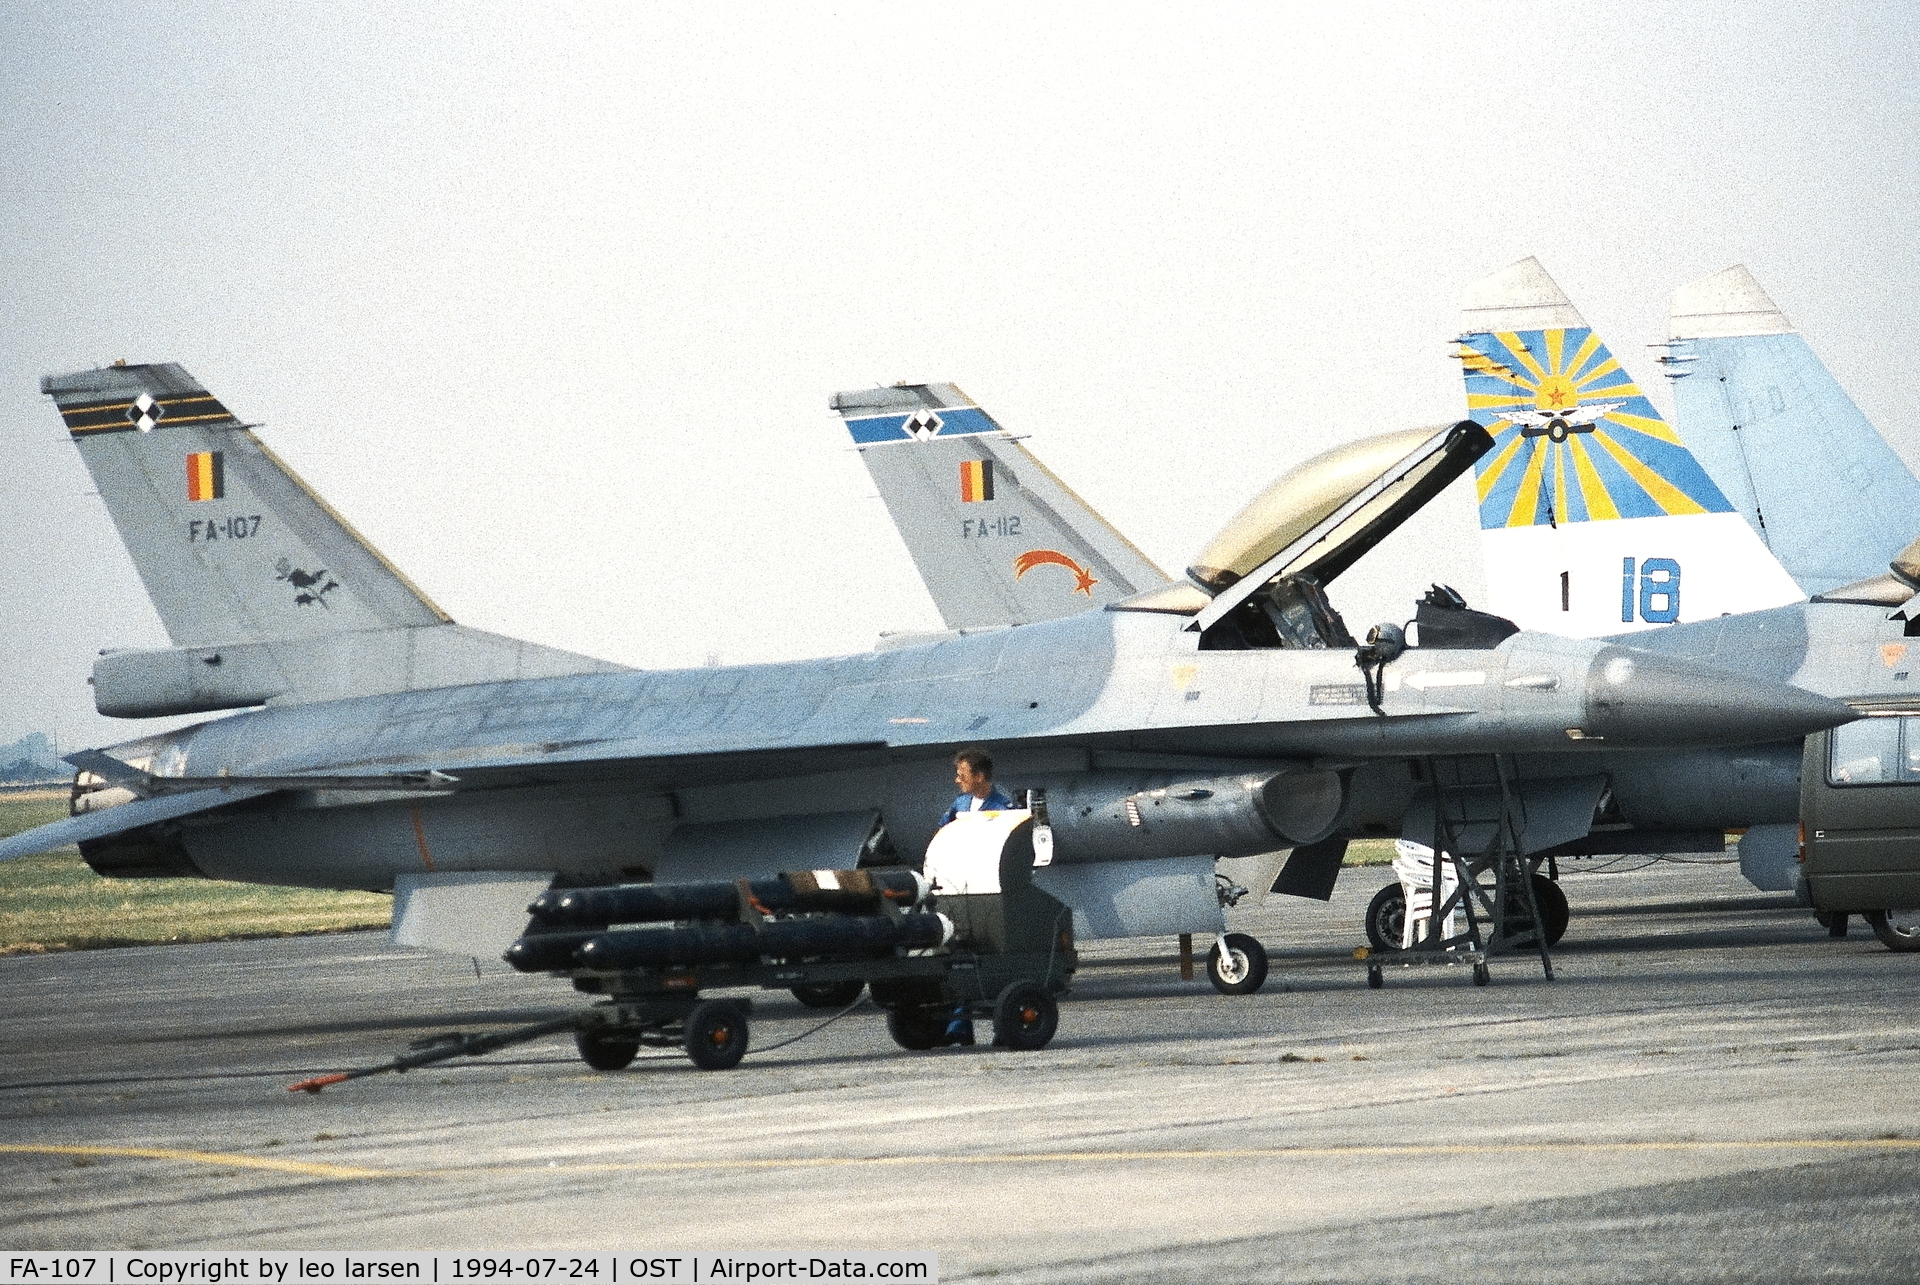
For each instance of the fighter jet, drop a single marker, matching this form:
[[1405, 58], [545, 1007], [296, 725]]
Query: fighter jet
[[1588, 531], [382, 746], [1659, 548], [1682, 800], [1786, 445], [1838, 508]]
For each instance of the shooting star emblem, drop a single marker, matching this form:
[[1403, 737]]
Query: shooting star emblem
[[1083, 579]]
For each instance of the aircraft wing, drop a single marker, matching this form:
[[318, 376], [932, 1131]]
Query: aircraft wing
[[128, 816]]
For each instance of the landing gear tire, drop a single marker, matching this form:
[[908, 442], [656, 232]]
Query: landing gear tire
[[1387, 917], [829, 994], [1024, 1017], [1243, 971], [1898, 930], [1554, 911], [1481, 975], [918, 1029], [605, 1053], [716, 1035]]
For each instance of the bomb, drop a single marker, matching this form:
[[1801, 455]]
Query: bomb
[[851, 891], [813, 937]]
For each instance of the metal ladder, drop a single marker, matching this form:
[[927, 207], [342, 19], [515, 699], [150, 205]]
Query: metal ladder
[[1476, 815]]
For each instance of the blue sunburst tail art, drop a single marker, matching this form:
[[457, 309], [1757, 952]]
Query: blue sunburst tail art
[[1595, 518]]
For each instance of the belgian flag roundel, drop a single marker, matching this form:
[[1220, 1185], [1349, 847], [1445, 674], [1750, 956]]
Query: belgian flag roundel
[[206, 476], [976, 481]]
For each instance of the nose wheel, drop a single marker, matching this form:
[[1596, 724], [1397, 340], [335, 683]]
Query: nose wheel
[[1237, 965]]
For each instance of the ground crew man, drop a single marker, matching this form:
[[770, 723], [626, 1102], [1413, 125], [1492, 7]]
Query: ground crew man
[[973, 773]]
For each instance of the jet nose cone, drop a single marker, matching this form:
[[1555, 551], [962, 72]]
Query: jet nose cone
[[1644, 698]]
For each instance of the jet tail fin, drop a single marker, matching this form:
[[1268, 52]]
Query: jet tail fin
[[1788, 447], [230, 544], [1595, 518], [997, 538], [267, 593]]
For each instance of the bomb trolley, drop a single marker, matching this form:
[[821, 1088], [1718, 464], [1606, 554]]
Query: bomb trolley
[[970, 934]]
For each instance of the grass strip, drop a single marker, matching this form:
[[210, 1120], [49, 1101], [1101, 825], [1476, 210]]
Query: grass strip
[[55, 902]]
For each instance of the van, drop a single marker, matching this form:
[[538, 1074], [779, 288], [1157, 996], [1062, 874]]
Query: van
[[1860, 823]]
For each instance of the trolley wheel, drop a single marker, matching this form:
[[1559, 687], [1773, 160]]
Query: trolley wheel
[[1387, 917], [1024, 1017], [1375, 979], [918, 1029], [1481, 975], [716, 1035], [1245, 970], [605, 1052], [829, 994], [1554, 911], [1897, 930]]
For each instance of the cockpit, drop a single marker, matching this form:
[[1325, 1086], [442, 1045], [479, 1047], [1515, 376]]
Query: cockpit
[[1262, 581]]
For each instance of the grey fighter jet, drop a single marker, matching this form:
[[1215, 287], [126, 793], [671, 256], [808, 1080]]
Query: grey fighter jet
[[382, 746], [1623, 490], [1703, 543]]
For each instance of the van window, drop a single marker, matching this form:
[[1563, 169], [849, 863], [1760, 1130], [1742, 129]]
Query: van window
[[1866, 752], [1875, 751]]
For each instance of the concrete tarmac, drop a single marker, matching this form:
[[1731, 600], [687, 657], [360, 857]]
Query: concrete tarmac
[[1711, 1089]]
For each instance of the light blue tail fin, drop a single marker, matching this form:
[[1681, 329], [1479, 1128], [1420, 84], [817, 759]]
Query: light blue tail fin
[[1788, 447], [1595, 518], [997, 538]]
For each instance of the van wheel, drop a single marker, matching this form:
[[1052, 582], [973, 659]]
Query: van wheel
[[1387, 917], [1897, 929], [1245, 968]]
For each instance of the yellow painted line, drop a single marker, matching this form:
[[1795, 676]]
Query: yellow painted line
[[1411, 1150], [222, 1159], [1245, 1153]]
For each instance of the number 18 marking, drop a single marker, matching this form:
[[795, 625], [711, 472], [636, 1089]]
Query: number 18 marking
[[1659, 591]]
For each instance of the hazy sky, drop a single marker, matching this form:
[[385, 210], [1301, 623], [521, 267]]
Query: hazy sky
[[549, 299]]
